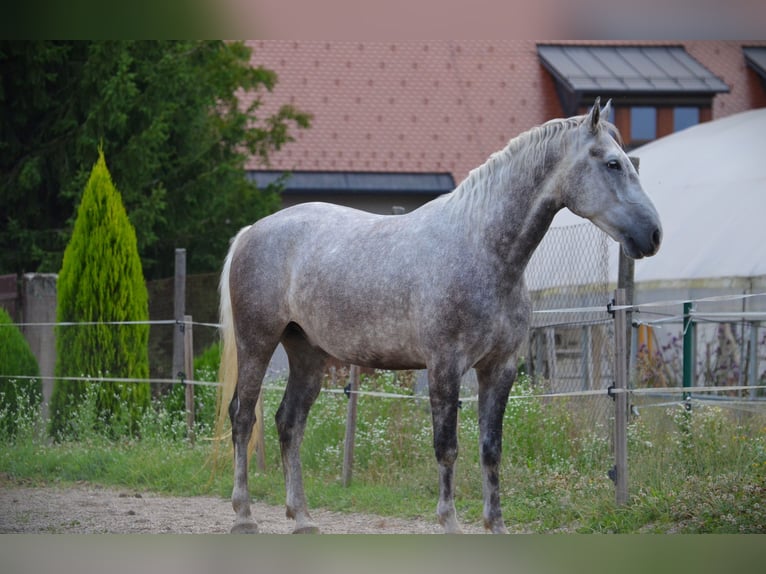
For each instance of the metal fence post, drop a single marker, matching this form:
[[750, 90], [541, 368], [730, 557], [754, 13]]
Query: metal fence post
[[620, 400], [688, 366]]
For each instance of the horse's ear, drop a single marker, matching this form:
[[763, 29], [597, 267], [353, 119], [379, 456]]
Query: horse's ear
[[607, 109], [594, 116]]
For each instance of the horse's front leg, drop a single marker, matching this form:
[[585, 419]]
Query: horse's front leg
[[242, 415], [444, 390], [494, 387]]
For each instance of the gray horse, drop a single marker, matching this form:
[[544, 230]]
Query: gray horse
[[440, 288]]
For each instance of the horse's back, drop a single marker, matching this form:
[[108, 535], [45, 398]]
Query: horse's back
[[341, 274], [374, 290]]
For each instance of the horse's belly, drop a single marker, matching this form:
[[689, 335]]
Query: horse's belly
[[390, 362], [368, 347]]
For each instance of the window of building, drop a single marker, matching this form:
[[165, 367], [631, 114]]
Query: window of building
[[685, 117], [643, 124]]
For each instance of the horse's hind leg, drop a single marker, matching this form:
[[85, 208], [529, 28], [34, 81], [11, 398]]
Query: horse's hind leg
[[251, 369], [494, 386], [303, 385]]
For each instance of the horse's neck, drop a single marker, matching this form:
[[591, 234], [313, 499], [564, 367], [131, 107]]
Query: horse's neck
[[509, 207]]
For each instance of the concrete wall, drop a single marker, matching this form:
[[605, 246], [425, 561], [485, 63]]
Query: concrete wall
[[39, 306]]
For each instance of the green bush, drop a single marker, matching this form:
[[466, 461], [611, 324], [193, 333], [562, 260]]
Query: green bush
[[206, 370], [101, 281], [16, 359]]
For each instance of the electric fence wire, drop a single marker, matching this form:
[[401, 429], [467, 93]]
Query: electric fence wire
[[641, 308]]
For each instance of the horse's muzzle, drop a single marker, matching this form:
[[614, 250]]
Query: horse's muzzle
[[643, 246]]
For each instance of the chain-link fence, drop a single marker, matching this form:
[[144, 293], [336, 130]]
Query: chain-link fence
[[571, 349], [571, 337]]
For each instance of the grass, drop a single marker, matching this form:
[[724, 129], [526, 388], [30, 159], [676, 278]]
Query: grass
[[702, 471]]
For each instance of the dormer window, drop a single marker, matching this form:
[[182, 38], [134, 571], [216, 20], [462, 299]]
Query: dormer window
[[655, 90]]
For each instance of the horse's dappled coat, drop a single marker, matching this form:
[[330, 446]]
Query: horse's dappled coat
[[440, 288]]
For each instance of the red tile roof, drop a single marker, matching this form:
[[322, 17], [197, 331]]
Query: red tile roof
[[727, 60], [433, 106]]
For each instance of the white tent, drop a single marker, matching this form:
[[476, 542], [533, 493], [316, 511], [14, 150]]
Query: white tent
[[708, 183]]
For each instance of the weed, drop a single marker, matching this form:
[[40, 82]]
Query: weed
[[698, 471]]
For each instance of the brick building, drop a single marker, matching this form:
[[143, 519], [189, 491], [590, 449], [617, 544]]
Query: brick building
[[400, 123]]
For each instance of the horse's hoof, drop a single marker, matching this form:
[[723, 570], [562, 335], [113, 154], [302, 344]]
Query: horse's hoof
[[497, 527], [308, 529], [245, 528], [450, 525]]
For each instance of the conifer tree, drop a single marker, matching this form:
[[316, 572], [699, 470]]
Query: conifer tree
[[101, 281]]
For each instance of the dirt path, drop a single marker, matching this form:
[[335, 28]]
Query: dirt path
[[87, 509]]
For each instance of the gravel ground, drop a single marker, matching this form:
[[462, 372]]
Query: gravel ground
[[88, 509]]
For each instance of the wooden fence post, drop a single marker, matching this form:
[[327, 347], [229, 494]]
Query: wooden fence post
[[348, 444], [587, 357], [260, 440], [179, 309], [620, 400], [550, 354], [753, 362], [626, 271], [189, 376], [622, 365]]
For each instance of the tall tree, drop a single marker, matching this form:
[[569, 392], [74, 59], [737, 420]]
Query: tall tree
[[101, 282], [169, 117]]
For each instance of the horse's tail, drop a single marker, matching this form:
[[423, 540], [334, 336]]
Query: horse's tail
[[227, 372]]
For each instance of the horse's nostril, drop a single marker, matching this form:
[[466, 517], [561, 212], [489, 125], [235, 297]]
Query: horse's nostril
[[656, 238]]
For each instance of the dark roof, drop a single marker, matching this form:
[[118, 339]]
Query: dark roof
[[358, 182], [617, 70], [756, 59]]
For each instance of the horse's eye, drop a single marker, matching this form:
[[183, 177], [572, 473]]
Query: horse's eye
[[613, 164]]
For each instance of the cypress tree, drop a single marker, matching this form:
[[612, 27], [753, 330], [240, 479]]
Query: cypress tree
[[16, 358], [101, 280]]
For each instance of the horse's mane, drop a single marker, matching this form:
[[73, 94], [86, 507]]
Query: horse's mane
[[529, 150], [530, 147]]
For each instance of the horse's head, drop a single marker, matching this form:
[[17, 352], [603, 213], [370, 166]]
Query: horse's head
[[602, 185]]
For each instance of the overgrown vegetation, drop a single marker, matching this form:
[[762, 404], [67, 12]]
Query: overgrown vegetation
[[16, 359], [702, 471]]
